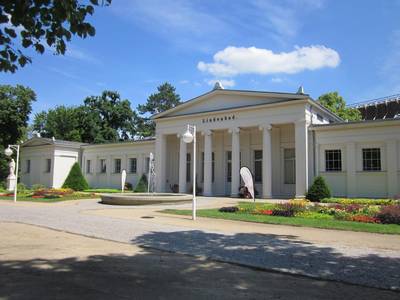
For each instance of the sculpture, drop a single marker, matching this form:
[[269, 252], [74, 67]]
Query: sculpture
[[11, 179]]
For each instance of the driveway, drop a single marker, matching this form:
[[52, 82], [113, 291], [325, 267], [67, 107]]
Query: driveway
[[358, 258]]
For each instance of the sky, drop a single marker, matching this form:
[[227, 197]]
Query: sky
[[352, 47]]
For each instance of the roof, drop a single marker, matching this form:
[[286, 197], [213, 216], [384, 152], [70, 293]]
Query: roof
[[357, 124], [144, 140], [39, 141]]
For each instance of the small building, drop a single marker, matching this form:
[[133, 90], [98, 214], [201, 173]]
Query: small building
[[286, 139]]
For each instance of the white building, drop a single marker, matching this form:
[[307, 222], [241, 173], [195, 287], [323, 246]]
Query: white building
[[285, 139]]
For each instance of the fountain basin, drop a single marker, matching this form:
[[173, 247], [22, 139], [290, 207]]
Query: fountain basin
[[144, 198]]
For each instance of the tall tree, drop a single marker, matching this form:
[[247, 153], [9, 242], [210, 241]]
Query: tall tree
[[15, 107], [334, 102], [165, 98], [39, 24]]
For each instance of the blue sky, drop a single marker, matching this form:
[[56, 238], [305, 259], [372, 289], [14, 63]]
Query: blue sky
[[348, 46]]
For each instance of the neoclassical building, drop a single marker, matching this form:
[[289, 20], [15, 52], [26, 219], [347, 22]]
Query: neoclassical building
[[286, 139]]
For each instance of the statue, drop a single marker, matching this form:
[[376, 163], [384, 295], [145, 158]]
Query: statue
[[11, 179]]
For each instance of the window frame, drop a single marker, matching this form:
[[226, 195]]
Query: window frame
[[257, 177], [365, 160], [131, 164], [228, 163], [330, 163], [188, 167], [48, 165], [117, 170], [103, 166], [88, 166], [293, 161], [28, 166]]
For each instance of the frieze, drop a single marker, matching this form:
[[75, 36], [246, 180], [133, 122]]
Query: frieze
[[218, 119]]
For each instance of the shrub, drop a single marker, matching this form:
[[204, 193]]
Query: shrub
[[362, 201], [318, 190], [75, 179], [128, 186], [36, 187], [229, 209], [141, 186], [288, 209], [389, 214], [21, 188]]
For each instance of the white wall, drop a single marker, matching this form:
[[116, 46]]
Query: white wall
[[64, 159]]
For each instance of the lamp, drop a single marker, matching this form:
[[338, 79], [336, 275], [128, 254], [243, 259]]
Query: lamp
[[8, 151], [188, 137]]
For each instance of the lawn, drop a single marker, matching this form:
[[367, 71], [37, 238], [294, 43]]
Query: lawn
[[27, 198], [316, 220]]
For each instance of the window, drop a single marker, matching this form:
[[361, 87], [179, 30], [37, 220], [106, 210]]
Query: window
[[132, 165], [289, 165], [103, 166], [188, 161], [117, 165], [146, 166], [229, 166], [212, 166], [88, 166], [371, 159], [48, 165], [28, 166], [333, 160], [258, 155]]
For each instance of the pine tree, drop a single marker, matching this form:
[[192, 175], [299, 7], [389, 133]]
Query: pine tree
[[75, 179], [319, 190], [141, 186]]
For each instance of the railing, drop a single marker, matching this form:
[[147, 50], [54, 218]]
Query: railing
[[390, 98]]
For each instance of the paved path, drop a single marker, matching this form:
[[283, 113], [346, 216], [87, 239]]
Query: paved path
[[360, 258]]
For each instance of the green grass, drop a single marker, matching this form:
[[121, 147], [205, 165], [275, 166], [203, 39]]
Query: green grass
[[44, 200], [102, 191], [293, 221]]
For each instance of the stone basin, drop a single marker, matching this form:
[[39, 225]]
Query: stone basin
[[144, 198]]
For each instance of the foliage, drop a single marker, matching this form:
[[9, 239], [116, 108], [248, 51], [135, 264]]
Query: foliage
[[15, 107], [318, 190], [335, 103], [75, 179], [389, 214], [288, 209], [43, 192], [128, 186], [141, 186], [39, 24], [364, 201], [365, 219], [165, 98], [104, 118], [21, 188], [102, 190], [229, 209]]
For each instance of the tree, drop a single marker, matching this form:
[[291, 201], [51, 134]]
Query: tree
[[15, 107], [165, 98], [319, 190], [141, 186], [75, 179], [38, 24], [335, 103]]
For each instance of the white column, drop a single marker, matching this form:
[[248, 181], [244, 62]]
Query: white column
[[267, 162], [160, 162], [207, 190], [392, 165], [301, 144], [351, 169], [182, 165], [235, 184]]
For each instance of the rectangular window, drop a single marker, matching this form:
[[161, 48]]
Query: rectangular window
[[229, 166], [103, 166], [258, 155], [371, 159], [48, 165], [188, 162], [117, 165], [88, 166], [146, 165], [333, 160], [132, 165], [28, 166], [289, 165]]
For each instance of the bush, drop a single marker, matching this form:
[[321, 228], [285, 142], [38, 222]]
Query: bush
[[288, 209], [362, 201], [141, 186], [75, 179], [389, 214], [36, 187], [21, 188], [128, 186], [229, 209], [319, 190]]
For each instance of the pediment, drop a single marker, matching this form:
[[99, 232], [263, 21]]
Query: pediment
[[33, 142]]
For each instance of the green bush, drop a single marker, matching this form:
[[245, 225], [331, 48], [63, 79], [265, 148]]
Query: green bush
[[318, 190], [363, 201], [36, 187], [21, 188], [141, 186], [75, 179]]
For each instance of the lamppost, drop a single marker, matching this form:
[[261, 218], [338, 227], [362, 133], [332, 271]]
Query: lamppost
[[8, 152], [188, 137]]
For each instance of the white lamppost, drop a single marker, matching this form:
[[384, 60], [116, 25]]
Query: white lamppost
[[8, 152], [188, 137]]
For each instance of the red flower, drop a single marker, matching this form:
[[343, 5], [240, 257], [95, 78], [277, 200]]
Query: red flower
[[266, 212]]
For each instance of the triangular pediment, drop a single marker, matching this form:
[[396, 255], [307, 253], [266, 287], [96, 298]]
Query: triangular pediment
[[219, 100], [36, 141]]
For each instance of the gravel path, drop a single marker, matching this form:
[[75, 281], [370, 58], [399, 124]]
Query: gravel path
[[365, 266]]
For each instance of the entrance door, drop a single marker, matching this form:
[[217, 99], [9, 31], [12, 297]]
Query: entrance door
[[289, 171]]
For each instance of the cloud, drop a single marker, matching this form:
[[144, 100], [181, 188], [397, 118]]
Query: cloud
[[277, 80], [224, 82], [234, 61]]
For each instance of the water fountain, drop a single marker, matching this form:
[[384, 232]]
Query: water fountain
[[151, 197]]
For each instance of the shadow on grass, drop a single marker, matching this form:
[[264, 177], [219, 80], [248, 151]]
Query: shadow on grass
[[280, 253], [154, 274]]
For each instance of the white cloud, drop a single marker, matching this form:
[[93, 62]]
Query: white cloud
[[233, 61], [225, 82], [184, 81], [277, 80]]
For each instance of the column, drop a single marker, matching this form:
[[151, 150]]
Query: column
[[301, 145], [351, 169], [267, 162], [182, 165], [235, 184], [207, 190], [392, 166], [160, 162]]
